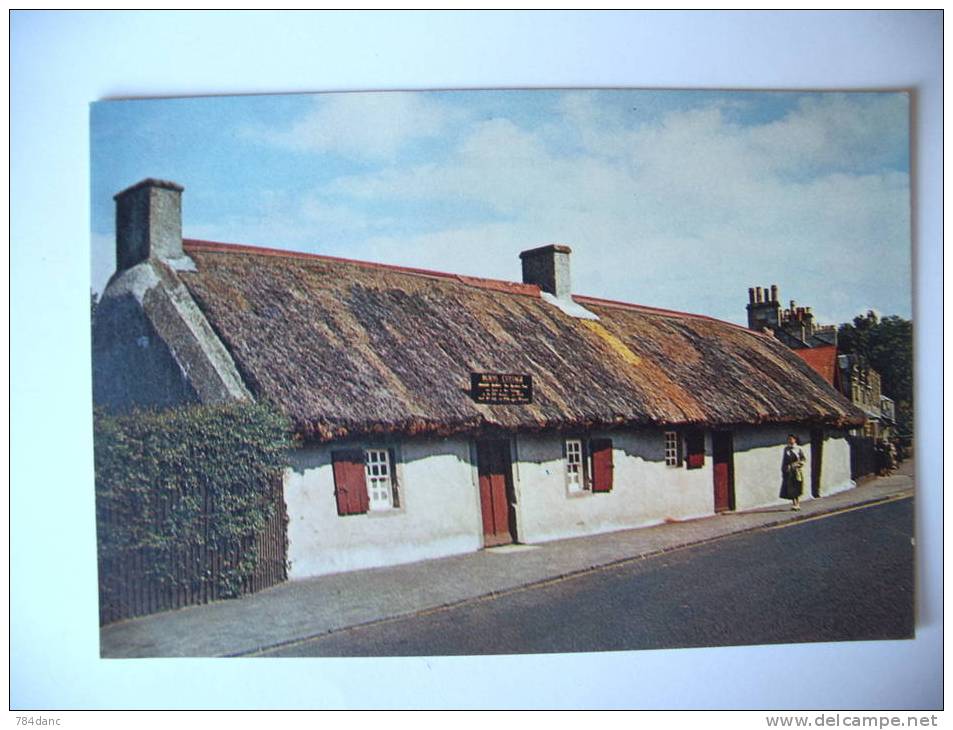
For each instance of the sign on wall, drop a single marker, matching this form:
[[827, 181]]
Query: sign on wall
[[501, 388]]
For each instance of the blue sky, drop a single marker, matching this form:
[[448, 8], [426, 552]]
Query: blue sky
[[674, 199]]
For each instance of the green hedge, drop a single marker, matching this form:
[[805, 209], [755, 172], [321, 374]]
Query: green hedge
[[183, 482]]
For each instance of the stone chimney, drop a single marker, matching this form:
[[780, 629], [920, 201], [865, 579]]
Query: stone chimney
[[148, 222], [764, 309], [548, 268]]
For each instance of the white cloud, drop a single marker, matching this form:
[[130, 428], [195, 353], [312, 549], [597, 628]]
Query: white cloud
[[306, 221], [683, 210], [687, 212], [857, 131], [485, 250], [366, 126]]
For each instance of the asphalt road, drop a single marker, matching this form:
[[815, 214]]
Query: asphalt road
[[846, 576]]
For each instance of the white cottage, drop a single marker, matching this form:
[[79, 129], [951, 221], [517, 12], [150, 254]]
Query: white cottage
[[616, 415]]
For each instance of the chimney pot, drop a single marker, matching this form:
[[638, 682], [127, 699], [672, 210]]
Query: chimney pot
[[548, 268], [148, 222], [750, 295], [774, 293]]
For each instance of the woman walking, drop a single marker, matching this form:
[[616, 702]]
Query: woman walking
[[792, 472]]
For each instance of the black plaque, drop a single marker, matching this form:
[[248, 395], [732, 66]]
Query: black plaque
[[501, 388]]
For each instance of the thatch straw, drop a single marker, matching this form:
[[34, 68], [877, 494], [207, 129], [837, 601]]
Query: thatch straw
[[347, 348]]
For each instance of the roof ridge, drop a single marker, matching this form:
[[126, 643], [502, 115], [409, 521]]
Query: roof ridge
[[479, 282], [660, 310], [475, 281]]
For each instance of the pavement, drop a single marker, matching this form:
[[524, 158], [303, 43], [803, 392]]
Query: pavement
[[303, 609]]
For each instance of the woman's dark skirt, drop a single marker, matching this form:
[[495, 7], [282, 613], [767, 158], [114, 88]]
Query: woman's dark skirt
[[791, 486]]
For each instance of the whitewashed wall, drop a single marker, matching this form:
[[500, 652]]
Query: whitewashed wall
[[439, 513], [835, 464], [758, 454], [440, 503], [645, 491], [757, 461]]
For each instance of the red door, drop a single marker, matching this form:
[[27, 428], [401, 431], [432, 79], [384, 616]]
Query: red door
[[497, 499], [723, 469]]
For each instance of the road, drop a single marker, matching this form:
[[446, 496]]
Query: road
[[845, 576]]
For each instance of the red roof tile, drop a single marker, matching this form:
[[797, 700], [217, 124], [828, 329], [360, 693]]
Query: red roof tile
[[823, 360]]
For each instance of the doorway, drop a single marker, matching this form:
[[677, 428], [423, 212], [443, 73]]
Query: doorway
[[497, 496], [817, 457], [722, 448]]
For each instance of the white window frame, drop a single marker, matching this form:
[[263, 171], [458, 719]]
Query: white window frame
[[673, 447], [575, 466], [379, 478]]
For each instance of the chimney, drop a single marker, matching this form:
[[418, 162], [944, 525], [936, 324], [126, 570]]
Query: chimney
[[548, 268], [763, 308], [148, 222]]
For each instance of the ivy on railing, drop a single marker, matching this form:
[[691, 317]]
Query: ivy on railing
[[181, 485]]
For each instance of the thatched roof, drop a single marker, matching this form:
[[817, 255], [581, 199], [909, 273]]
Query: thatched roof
[[349, 348]]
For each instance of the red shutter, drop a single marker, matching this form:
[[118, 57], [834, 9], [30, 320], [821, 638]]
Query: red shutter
[[350, 488], [601, 450], [694, 449]]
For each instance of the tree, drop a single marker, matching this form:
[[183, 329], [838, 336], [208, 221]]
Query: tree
[[887, 346]]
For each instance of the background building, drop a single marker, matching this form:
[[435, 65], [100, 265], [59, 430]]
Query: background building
[[817, 346]]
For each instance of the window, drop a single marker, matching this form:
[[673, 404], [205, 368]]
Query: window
[[673, 455], [364, 480], [380, 484], [575, 466], [588, 465]]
